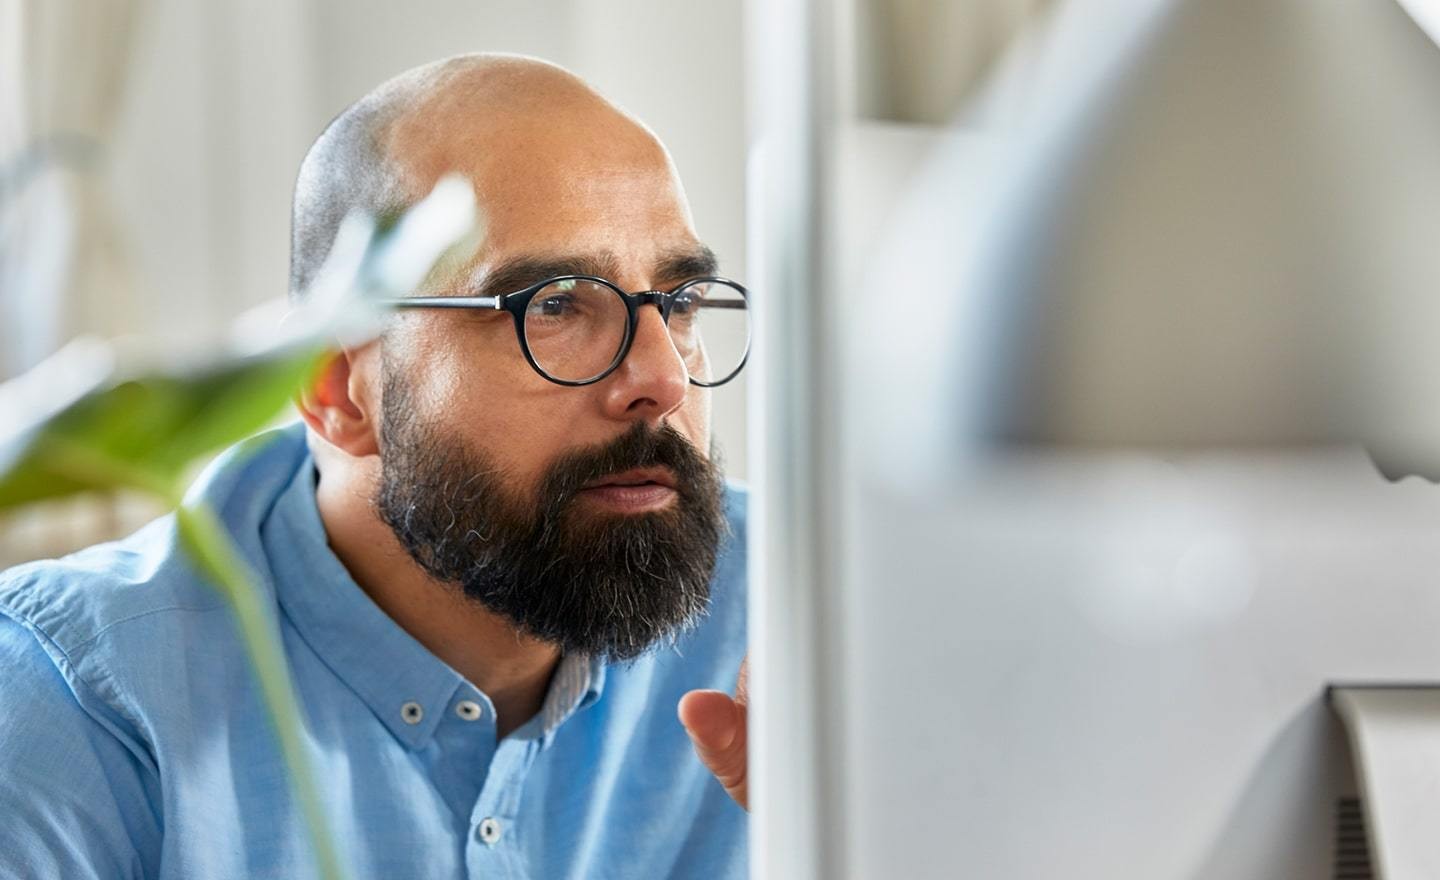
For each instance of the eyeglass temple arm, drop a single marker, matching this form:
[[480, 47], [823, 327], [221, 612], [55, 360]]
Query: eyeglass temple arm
[[444, 302], [493, 302]]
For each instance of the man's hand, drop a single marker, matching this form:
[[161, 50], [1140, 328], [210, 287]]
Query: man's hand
[[716, 724]]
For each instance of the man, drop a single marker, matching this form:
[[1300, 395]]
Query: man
[[497, 551]]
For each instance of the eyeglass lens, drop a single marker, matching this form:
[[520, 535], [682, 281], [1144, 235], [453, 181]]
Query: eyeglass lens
[[575, 328]]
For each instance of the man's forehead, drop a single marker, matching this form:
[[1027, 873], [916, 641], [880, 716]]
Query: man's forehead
[[574, 145], [517, 271]]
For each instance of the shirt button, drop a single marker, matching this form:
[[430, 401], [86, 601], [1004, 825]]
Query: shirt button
[[412, 712], [468, 709], [489, 831]]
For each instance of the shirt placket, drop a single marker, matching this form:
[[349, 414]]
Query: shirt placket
[[493, 848]]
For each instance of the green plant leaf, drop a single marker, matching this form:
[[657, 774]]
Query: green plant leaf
[[143, 432]]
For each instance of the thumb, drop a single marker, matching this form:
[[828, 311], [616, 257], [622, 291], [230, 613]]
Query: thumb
[[716, 724]]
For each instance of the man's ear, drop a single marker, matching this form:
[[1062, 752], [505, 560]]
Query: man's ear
[[338, 404]]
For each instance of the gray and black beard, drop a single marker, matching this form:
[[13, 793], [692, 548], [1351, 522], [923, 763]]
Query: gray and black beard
[[611, 585]]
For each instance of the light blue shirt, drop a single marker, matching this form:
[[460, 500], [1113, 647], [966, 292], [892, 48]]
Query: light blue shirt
[[133, 743]]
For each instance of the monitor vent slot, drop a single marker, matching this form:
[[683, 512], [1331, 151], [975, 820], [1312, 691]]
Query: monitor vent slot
[[1352, 849]]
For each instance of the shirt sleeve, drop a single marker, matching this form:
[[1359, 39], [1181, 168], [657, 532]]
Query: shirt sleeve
[[75, 797]]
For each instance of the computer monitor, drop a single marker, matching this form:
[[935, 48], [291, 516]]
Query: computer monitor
[[1089, 631]]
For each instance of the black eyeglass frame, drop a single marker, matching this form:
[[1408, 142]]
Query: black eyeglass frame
[[518, 302]]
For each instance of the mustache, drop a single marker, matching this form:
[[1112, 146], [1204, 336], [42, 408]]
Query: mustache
[[638, 447]]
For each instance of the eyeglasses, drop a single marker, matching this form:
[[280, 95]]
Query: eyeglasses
[[577, 329]]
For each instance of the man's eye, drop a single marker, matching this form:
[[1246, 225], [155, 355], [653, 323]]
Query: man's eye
[[556, 306], [686, 304]]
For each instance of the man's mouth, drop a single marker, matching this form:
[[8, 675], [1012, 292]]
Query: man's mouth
[[634, 491]]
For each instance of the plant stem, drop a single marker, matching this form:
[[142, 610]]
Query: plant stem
[[210, 545]]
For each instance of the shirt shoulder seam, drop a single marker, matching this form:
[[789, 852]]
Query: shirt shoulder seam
[[80, 647]]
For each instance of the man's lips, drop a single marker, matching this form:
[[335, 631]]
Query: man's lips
[[636, 477], [633, 491]]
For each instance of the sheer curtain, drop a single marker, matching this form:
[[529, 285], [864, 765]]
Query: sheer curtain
[[62, 265], [63, 269]]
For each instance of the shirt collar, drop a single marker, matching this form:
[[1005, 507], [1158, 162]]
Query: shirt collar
[[369, 651], [577, 684]]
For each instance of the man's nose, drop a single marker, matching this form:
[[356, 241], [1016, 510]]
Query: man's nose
[[652, 380]]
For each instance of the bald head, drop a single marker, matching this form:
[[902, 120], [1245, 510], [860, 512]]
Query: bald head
[[523, 130]]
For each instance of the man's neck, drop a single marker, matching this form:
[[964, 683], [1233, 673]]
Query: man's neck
[[512, 669]]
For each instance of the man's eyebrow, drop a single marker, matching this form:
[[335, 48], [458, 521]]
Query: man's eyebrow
[[519, 273], [689, 263]]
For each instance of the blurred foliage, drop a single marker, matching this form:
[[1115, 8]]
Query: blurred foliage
[[144, 433]]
